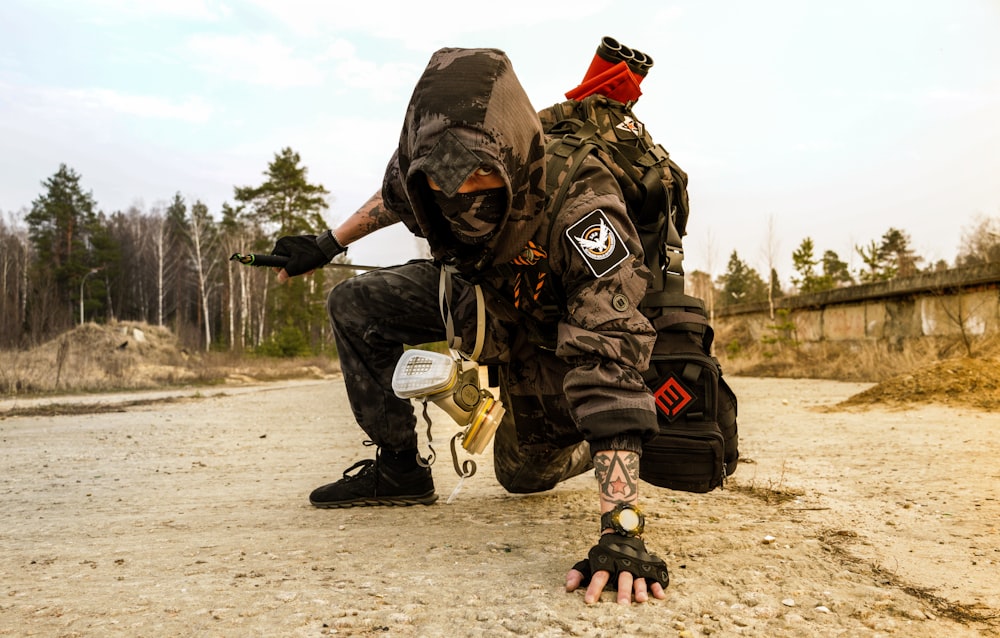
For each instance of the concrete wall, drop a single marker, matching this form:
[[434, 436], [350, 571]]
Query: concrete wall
[[944, 304]]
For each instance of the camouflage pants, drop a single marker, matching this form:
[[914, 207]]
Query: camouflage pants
[[374, 314]]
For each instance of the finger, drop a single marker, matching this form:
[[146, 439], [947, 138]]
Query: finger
[[658, 591], [597, 583], [641, 593], [282, 276], [625, 588], [573, 579]]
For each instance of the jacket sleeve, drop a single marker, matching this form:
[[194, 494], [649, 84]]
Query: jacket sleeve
[[394, 196], [603, 336]]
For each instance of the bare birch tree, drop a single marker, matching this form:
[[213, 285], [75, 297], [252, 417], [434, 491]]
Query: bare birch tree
[[202, 240]]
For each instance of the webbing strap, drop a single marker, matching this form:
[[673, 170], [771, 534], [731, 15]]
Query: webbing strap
[[653, 157], [444, 302], [576, 145]]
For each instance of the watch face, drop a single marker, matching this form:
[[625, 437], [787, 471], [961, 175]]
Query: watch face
[[624, 519], [628, 519]]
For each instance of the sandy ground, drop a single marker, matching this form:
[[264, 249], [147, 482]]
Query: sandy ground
[[190, 517]]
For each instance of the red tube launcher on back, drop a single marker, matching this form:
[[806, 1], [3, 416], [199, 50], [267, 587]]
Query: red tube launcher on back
[[616, 82], [615, 72], [609, 53]]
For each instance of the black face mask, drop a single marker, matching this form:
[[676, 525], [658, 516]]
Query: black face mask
[[473, 217]]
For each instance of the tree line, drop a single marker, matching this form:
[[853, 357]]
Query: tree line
[[67, 262], [889, 257]]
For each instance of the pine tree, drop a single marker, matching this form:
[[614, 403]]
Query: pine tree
[[177, 271], [889, 259], [287, 204], [106, 251], [804, 262], [741, 283], [870, 258], [835, 270], [60, 224], [897, 255]]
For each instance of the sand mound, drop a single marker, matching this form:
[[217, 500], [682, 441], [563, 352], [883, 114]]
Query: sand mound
[[138, 356], [957, 382], [94, 357]]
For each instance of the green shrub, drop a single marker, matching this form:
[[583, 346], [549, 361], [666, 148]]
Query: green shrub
[[287, 342]]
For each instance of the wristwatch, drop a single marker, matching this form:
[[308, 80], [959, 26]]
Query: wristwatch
[[329, 245], [624, 519]]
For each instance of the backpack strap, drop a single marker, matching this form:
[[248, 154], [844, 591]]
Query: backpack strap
[[688, 322], [661, 242], [576, 145]]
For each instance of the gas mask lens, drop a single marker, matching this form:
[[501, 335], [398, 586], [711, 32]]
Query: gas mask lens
[[452, 385]]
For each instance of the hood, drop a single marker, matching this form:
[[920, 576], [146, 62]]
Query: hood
[[469, 110]]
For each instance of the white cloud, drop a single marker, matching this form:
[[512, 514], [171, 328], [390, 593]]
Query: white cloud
[[52, 101], [414, 23], [383, 82], [255, 58], [113, 11], [192, 109]]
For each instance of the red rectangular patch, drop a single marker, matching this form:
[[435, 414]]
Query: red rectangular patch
[[672, 398]]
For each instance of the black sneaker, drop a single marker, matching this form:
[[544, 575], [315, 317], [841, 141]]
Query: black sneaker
[[376, 484]]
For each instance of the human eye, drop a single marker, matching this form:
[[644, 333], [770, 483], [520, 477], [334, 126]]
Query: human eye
[[484, 171]]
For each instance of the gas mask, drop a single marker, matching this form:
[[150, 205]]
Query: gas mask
[[453, 385]]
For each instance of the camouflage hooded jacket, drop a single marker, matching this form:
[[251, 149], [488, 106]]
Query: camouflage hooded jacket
[[469, 110]]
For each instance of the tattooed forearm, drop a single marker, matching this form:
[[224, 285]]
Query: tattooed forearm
[[617, 476], [373, 215]]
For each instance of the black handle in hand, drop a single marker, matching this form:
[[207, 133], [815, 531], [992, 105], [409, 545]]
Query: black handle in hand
[[279, 261], [269, 261]]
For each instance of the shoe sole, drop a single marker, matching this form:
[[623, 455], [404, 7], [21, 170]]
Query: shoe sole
[[399, 501]]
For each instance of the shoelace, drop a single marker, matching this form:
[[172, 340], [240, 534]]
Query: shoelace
[[367, 466]]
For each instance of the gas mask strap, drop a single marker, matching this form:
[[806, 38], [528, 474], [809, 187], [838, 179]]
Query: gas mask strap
[[429, 461], [480, 323], [444, 302]]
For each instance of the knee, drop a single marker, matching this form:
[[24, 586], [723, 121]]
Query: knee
[[521, 478], [515, 486], [342, 298], [526, 473]]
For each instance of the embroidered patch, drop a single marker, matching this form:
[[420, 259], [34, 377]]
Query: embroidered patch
[[672, 398], [598, 242], [629, 125]]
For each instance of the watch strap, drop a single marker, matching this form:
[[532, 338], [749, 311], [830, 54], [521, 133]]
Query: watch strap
[[610, 520], [607, 520], [329, 244]]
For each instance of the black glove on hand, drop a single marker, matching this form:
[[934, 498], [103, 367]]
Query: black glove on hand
[[307, 252], [615, 554]]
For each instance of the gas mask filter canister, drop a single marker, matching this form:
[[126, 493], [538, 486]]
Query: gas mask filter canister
[[453, 385]]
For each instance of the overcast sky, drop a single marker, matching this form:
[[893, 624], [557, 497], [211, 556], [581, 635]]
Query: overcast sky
[[829, 120]]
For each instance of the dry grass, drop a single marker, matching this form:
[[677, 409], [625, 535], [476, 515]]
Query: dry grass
[[919, 371], [136, 356], [861, 361], [866, 362], [773, 493]]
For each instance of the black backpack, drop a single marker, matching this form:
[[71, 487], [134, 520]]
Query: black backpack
[[697, 444]]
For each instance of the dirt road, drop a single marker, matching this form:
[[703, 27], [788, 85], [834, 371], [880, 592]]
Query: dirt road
[[190, 517]]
